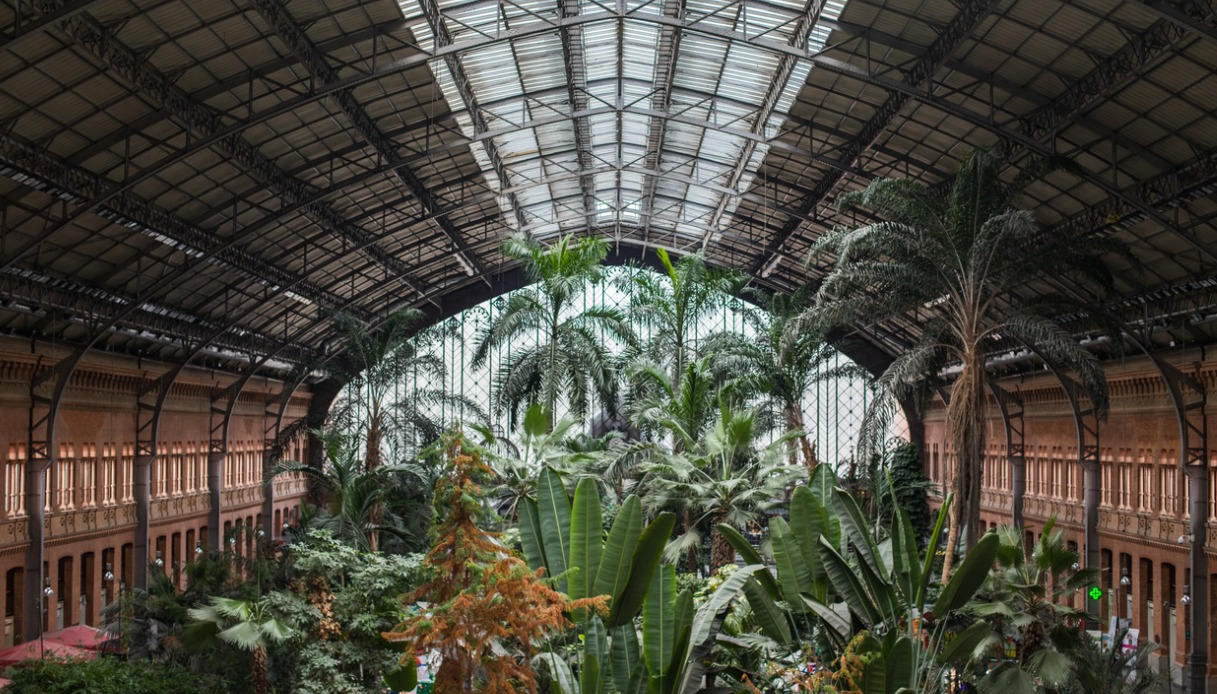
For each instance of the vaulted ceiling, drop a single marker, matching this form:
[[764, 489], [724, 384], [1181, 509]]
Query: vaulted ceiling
[[208, 180]]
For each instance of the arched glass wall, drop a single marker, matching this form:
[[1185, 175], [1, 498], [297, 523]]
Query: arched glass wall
[[832, 410]]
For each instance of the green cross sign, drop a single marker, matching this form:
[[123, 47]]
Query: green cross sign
[[1096, 593]]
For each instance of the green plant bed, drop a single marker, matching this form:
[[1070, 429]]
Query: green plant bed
[[107, 676]]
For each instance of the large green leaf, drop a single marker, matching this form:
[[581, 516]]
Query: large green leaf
[[729, 590], [625, 656], [874, 677], [536, 420], [554, 508], [808, 521], [931, 552], [596, 651], [857, 530], [968, 577], [881, 591], [959, 650], [642, 565], [843, 578], [901, 663], [682, 647], [659, 622], [838, 626], [906, 562], [751, 556], [530, 535], [792, 569], [769, 617], [619, 550], [559, 671], [822, 483], [586, 539]]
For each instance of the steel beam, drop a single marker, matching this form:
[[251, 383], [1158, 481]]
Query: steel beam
[[38, 169], [204, 121], [292, 34], [272, 448], [800, 34], [576, 86], [1086, 423], [50, 13], [1010, 404]]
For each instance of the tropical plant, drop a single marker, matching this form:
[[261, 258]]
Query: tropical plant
[[957, 262], [356, 495], [338, 602], [682, 408], [780, 361], [671, 306], [1024, 603], [376, 362], [1112, 669], [486, 610], [107, 676], [728, 478], [516, 464], [246, 624], [570, 361]]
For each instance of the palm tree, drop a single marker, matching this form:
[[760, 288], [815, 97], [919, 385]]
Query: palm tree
[[356, 496], [1024, 602], [728, 478], [956, 262], [781, 360], [570, 360], [246, 624], [376, 360], [516, 465], [672, 306], [682, 406]]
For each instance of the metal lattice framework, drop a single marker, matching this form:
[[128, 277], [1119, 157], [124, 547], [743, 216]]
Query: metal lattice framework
[[209, 183]]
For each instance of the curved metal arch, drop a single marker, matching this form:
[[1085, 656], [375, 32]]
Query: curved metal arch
[[272, 447], [1010, 405]]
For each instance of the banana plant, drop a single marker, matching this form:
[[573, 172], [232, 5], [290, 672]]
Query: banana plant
[[668, 656], [567, 539]]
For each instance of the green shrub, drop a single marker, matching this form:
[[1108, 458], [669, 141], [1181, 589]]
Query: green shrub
[[107, 676]]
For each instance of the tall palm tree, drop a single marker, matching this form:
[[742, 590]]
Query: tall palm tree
[[728, 477], [672, 306], [246, 624], [957, 262], [570, 360], [356, 496], [780, 361], [375, 361]]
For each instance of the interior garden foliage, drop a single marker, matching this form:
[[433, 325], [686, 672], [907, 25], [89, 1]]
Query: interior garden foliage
[[653, 514]]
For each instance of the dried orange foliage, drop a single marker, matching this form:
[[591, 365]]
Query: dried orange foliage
[[487, 608]]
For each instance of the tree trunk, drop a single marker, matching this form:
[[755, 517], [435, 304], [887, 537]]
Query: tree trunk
[[259, 671], [952, 541], [721, 552], [808, 448], [691, 558], [965, 422]]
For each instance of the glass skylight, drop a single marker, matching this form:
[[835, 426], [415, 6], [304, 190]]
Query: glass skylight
[[664, 122]]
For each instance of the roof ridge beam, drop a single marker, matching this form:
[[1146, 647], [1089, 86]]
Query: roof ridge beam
[[669, 44], [293, 35]]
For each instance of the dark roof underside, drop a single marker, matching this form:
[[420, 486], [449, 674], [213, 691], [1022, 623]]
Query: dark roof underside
[[207, 181]]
